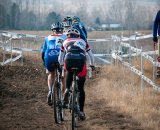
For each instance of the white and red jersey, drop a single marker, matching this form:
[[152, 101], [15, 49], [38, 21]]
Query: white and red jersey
[[76, 42], [66, 45]]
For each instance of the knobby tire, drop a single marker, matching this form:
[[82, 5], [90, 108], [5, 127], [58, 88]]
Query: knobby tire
[[58, 110]]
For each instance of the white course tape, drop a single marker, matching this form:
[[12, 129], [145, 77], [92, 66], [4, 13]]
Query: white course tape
[[133, 69], [11, 60], [98, 40], [102, 54], [105, 61], [151, 52], [136, 49], [149, 81], [137, 38], [125, 44], [148, 57]]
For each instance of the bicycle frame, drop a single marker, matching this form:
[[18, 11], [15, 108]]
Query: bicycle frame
[[74, 100]]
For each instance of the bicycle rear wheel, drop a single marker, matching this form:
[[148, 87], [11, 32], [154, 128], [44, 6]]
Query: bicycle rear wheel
[[58, 108], [74, 107]]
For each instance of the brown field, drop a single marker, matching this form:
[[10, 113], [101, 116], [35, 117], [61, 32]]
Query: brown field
[[114, 100]]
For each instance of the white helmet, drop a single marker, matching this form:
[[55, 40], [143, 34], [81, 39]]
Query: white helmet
[[73, 31], [67, 24]]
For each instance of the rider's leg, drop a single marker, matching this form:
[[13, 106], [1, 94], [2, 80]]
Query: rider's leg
[[69, 78], [51, 78], [81, 82], [64, 82]]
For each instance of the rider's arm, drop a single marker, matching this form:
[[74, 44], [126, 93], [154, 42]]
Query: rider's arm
[[44, 47], [155, 26], [91, 57], [84, 29], [43, 56], [61, 57]]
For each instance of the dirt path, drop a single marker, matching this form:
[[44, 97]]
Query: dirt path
[[23, 104]]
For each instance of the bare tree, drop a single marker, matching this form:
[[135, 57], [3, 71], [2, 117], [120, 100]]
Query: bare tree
[[116, 11], [158, 4], [81, 8], [3, 15], [15, 15], [33, 5], [130, 14], [96, 13]]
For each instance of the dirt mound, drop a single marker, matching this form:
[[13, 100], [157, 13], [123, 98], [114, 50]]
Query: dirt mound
[[21, 72]]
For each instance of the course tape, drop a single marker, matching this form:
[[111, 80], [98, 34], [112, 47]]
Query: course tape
[[12, 59], [19, 36], [133, 69], [134, 37], [105, 61], [149, 81]]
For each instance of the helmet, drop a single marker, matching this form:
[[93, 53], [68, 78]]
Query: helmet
[[75, 19], [57, 26], [73, 31], [67, 18], [67, 21]]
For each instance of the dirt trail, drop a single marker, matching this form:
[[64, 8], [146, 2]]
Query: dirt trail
[[23, 104]]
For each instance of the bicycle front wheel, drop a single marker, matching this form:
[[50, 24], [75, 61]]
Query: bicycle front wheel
[[58, 108]]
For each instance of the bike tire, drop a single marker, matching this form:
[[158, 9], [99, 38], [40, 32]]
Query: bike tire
[[74, 104], [58, 108]]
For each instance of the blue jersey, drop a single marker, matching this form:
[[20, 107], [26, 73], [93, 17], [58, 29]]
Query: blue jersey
[[80, 27], [156, 26], [51, 49]]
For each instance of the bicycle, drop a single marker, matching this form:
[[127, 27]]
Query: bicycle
[[73, 100], [57, 97]]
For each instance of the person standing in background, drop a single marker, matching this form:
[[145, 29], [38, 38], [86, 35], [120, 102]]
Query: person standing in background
[[156, 28], [156, 32]]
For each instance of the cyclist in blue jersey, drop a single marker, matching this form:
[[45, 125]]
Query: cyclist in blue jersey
[[50, 53], [77, 24]]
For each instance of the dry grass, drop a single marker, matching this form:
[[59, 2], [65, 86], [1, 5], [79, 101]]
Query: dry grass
[[118, 90]]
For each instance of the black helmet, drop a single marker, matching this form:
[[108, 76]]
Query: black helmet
[[67, 18], [57, 26]]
